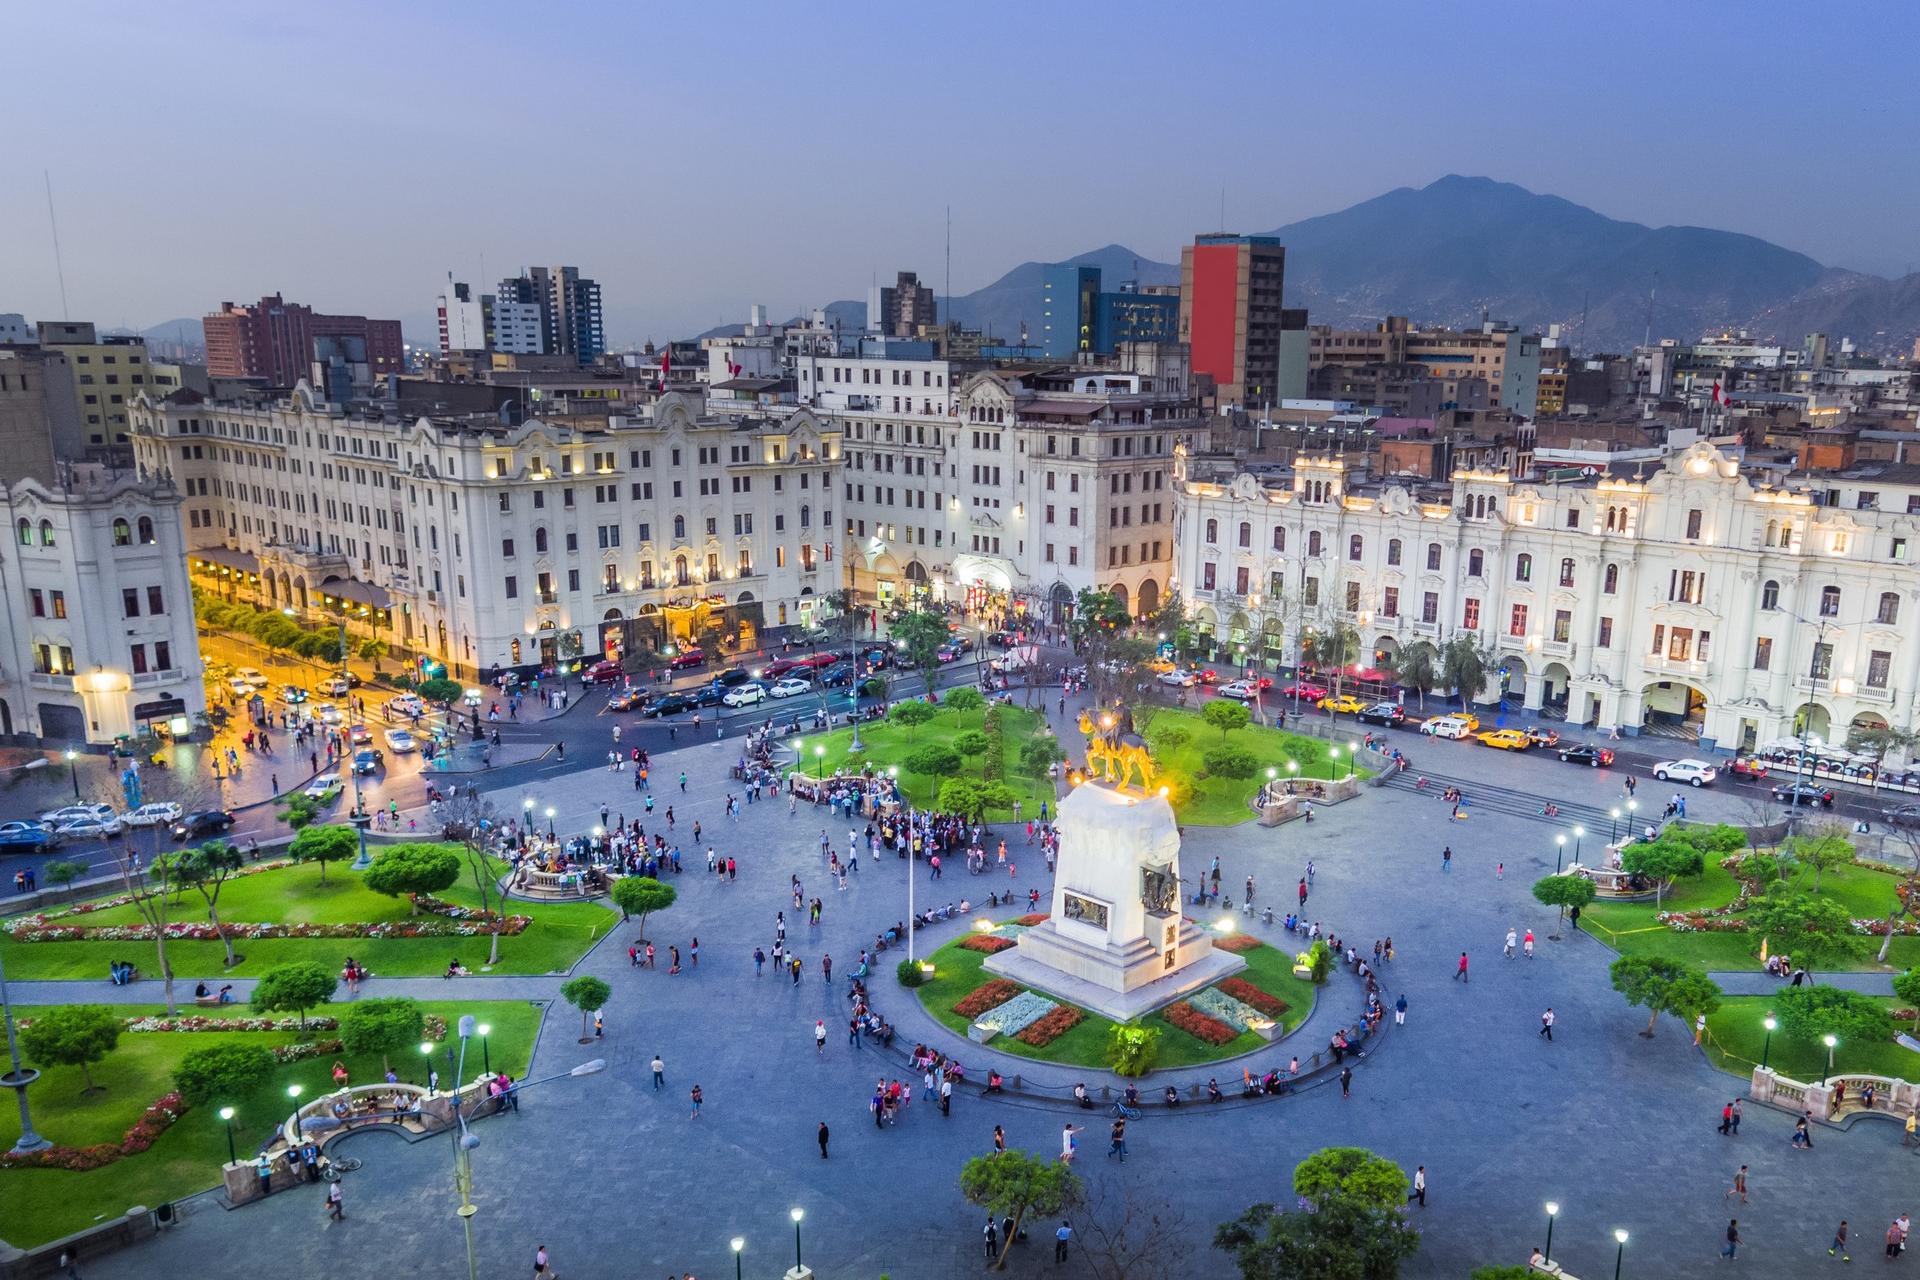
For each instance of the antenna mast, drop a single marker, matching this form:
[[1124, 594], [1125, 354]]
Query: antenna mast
[[59, 270]]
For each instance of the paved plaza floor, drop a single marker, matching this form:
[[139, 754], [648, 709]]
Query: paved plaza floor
[[619, 1179]]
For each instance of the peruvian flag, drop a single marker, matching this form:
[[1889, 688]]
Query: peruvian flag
[[1719, 397], [733, 370]]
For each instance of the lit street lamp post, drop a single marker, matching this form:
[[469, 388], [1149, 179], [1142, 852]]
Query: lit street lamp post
[[226, 1114], [1553, 1211], [1766, 1045], [1613, 825], [1620, 1235], [1577, 833], [486, 1060], [1829, 1040], [73, 772], [738, 1245], [1561, 840], [797, 1213], [550, 834]]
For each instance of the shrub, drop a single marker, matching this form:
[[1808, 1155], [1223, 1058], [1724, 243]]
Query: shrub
[[1197, 1024], [910, 973], [1225, 716], [988, 995], [970, 743], [1038, 917], [1131, 1050], [1238, 942], [986, 942], [1246, 993], [223, 1071], [1040, 752], [1230, 762], [934, 761], [1172, 738], [1051, 1027], [994, 767], [1320, 960]]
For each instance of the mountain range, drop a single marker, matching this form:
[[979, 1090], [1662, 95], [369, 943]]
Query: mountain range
[[1462, 248]]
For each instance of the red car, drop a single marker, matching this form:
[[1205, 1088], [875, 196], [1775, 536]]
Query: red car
[[781, 666], [1312, 692], [1206, 676], [691, 656], [1748, 767], [602, 673]]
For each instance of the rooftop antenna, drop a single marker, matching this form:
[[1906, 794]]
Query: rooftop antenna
[[1652, 293], [1585, 298], [936, 317], [53, 221], [1223, 209]]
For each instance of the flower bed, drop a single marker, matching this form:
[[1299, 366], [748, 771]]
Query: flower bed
[[1038, 917], [987, 942], [198, 1023], [1217, 1004], [1238, 942], [122, 899], [301, 1052], [40, 929], [153, 1122], [1197, 1024], [1016, 1015], [1056, 1023], [1246, 993], [986, 996]]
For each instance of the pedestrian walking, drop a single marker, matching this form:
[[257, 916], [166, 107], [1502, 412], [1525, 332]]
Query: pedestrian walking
[[1513, 936], [992, 1239], [1069, 1142], [1699, 1028], [541, 1262], [1739, 1187], [1896, 1240], [1839, 1245], [697, 1100], [1736, 1117], [821, 1138], [1420, 1186], [1732, 1246], [1117, 1141], [1061, 1238], [759, 961], [1526, 944], [946, 1095], [999, 1141], [819, 1037], [1400, 1010], [1446, 855], [599, 1027], [659, 1072], [1546, 1023], [1346, 1082], [336, 1208], [1726, 1119], [1460, 974]]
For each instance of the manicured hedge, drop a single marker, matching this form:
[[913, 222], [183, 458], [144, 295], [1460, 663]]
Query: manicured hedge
[[1197, 1024], [1051, 1027], [1246, 993], [988, 995], [986, 942]]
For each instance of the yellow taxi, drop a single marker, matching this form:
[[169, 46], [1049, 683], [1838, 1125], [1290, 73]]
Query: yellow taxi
[[1507, 739], [1160, 666], [1345, 704]]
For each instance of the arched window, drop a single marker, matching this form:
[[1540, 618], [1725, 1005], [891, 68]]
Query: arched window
[[24, 531], [1693, 523], [679, 526], [1611, 583], [514, 650], [1354, 547], [1246, 534], [1829, 597], [1889, 608], [1313, 542], [680, 574], [122, 532], [1213, 531], [1773, 531], [1476, 563], [806, 515], [1769, 595], [1566, 572], [1393, 551], [146, 531], [46, 533], [1433, 557], [539, 541], [1279, 538], [1523, 567]]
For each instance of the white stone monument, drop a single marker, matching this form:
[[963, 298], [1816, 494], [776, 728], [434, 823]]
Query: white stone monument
[[1116, 942]]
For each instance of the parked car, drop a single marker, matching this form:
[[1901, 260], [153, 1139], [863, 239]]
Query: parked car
[[323, 788], [400, 740], [1905, 815], [254, 677], [1809, 793], [603, 672], [707, 695], [789, 687], [1506, 739], [73, 812], [158, 813], [691, 656], [628, 700], [1449, 726], [293, 695], [1386, 714], [1540, 736], [368, 760], [1695, 773], [780, 667], [204, 823], [1587, 754], [1304, 691], [947, 653], [87, 828], [1748, 767], [1178, 679], [1344, 704], [744, 695], [1239, 690], [24, 837], [670, 705], [733, 676]]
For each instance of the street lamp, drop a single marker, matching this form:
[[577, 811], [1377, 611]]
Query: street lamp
[[486, 1059], [1333, 756], [550, 822], [738, 1245], [226, 1113], [1553, 1210], [19, 1078], [796, 1213], [1620, 1235], [1829, 1040], [1561, 840], [1577, 833], [1613, 824], [1766, 1045], [426, 1052], [73, 771]]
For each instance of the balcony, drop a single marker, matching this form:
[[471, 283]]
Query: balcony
[[45, 680]]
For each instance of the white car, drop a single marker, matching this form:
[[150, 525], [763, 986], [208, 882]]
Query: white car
[[241, 688], [1695, 773], [400, 740], [90, 828], [152, 815], [334, 685], [253, 676], [328, 714], [744, 696], [407, 704], [1179, 679], [1008, 664], [75, 812], [1239, 690], [1446, 727], [323, 786], [789, 687]]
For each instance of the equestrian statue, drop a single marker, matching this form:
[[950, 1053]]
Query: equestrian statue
[[1116, 750]]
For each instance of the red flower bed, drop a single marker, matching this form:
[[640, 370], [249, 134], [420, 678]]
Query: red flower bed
[[156, 1120], [1034, 919], [1246, 993], [1197, 1024], [988, 995], [1238, 942], [1051, 1027], [985, 942]]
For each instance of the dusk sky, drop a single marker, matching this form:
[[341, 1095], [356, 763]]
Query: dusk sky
[[698, 158]]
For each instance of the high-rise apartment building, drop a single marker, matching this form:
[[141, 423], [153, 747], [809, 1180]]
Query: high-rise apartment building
[[898, 311], [107, 374], [273, 340], [568, 305], [465, 321], [1077, 316], [1230, 314]]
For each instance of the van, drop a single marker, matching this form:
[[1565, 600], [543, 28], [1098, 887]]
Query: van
[[1447, 727]]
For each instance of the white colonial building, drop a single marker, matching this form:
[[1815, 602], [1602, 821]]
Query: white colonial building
[[487, 546], [1694, 596], [98, 634]]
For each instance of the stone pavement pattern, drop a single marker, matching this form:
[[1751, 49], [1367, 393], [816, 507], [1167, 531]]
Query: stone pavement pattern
[[620, 1180]]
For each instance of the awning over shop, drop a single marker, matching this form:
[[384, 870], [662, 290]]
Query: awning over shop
[[244, 561], [366, 593]]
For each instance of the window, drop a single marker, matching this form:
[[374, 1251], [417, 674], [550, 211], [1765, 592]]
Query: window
[[1610, 582], [1310, 593], [130, 602], [1206, 575], [1353, 597], [540, 542], [1562, 625], [1693, 524], [1680, 644], [1390, 602], [146, 531], [1393, 551], [679, 527], [513, 590], [1566, 572], [1433, 557], [1213, 531], [1659, 639], [1829, 602], [46, 533], [506, 548], [1470, 614], [1279, 538], [1517, 623], [1686, 586], [1313, 543], [38, 599], [156, 601], [122, 533], [1762, 653], [1822, 665], [1476, 563], [163, 656], [59, 602], [1773, 532], [1769, 595], [24, 531], [1889, 608], [1246, 534], [1573, 517], [1899, 549], [1879, 665], [1430, 607], [1240, 580], [1523, 567]]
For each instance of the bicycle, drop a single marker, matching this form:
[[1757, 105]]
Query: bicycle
[[336, 1167], [1121, 1111]]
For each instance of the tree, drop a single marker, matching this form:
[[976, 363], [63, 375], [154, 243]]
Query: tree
[[1502, 1271], [1563, 892], [441, 690], [470, 818], [1351, 1225], [1127, 1232], [1096, 614], [911, 715], [1418, 669], [1659, 986], [324, 844], [1225, 715], [934, 761], [293, 988], [62, 873], [585, 993], [972, 798], [223, 1071], [1879, 742], [1907, 987], [1809, 1013], [372, 651], [205, 868], [1463, 667], [1661, 861], [148, 891], [641, 896], [384, 1026], [918, 636], [413, 869], [1040, 752], [1016, 1184], [1815, 931], [72, 1035], [1170, 625], [1229, 762], [1350, 1171], [1824, 849], [1332, 649], [965, 700], [972, 742], [299, 812]]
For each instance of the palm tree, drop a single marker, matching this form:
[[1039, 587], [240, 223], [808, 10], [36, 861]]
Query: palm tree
[[1418, 669], [1463, 666], [1334, 647]]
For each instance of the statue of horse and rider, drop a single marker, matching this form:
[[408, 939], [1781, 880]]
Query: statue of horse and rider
[[1115, 750]]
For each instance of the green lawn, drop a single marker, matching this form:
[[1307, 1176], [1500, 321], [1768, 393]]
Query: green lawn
[[37, 1205], [957, 971], [1222, 802], [1737, 1037], [887, 744], [560, 934], [1629, 927]]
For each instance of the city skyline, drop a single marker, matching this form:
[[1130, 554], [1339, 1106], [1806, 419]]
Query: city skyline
[[375, 200]]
